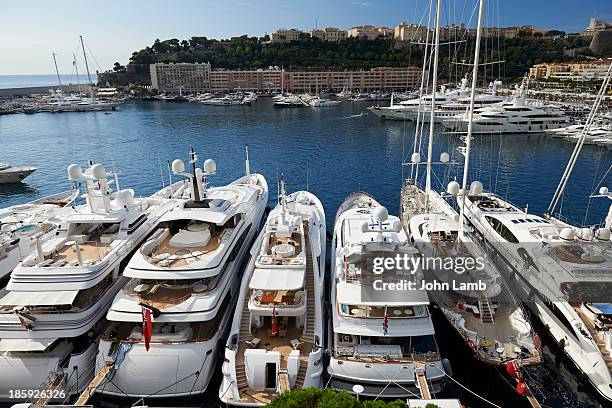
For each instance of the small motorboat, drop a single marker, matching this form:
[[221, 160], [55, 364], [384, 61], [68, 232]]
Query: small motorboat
[[10, 174]]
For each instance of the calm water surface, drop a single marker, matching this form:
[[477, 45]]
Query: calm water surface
[[327, 151]]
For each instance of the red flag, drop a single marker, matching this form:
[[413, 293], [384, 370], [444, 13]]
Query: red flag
[[147, 326], [274, 325]]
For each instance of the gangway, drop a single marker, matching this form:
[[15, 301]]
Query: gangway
[[421, 378]]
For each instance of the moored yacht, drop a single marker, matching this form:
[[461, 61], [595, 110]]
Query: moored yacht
[[276, 340], [183, 286], [380, 340], [563, 274], [52, 309], [10, 174], [24, 226]]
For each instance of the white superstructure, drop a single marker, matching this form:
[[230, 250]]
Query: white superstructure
[[276, 341], [565, 275], [52, 307], [382, 344], [183, 286]]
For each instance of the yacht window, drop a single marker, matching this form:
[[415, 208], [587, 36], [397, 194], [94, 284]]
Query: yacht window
[[423, 344], [501, 229], [238, 245]]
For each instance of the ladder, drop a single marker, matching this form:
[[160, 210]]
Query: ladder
[[421, 378], [86, 394], [486, 312]]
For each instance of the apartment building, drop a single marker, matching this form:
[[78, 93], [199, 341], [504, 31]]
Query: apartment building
[[370, 32], [571, 71], [165, 78], [285, 35], [329, 34], [180, 77], [410, 32]]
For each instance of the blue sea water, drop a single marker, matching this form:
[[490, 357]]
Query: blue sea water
[[24, 81], [326, 151]]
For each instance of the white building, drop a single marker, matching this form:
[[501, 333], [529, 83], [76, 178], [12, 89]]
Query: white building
[[410, 32], [285, 35], [329, 34], [370, 32]]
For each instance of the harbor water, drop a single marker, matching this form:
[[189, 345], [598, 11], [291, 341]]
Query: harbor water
[[331, 152]]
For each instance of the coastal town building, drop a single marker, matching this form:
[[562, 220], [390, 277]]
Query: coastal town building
[[170, 78], [410, 32], [370, 32], [285, 35], [571, 71], [596, 25], [329, 34], [183, 77]]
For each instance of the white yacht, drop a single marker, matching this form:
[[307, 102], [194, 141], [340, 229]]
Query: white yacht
[[516, 116], [276, 341], [57, 101], [10, 174], [382, 341], [479, 304], [52, 309], [412, 108], [183, 286], [227, 100], [318, 102], [22, 226], [564, 275]]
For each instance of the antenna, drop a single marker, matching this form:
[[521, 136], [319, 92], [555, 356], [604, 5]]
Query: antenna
[[161, 172], [194, 183], [169, 174], [56, 71], [247, 164]]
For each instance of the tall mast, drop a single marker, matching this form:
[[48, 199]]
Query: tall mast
[[470, 116], [434, 85], [59, 80], [86, 66], [76, 67]]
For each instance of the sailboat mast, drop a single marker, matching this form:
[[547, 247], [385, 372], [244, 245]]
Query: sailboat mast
[[434, 85], [86, 65], [59, 80], [76, 68], [468, 139]]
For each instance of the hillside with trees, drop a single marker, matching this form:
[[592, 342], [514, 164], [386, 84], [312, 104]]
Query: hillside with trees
[[309, 53]]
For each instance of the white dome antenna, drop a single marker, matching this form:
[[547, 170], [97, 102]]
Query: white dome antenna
[[75, 173], [381, 214], [476, 188], [210, 167], [98, 172], [444, 157], [567, 234], [178, 166], [453, 188], [416, 158], [602, 234]]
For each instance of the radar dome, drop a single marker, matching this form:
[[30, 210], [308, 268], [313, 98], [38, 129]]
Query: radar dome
[[476, 188], [74, 172], [365, 226], [567, 234], [98, 171], [6, 228], [210, 166], [603, 234], [397, 226], [415, 158], [178, 166], [452, 188], [444, 157], [381, 214], [125, 198], [586, 234], [603, 191], [198, 172]]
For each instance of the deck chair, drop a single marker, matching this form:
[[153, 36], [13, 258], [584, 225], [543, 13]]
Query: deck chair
[[253, 343]]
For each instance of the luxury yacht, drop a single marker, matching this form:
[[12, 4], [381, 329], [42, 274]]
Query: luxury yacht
[[516, 116], [382, 340], [183, 287], [276, 339], [10, 174], [479, 304], [57, 101], [411, 108], [52, 310], [563, 273], [23, 226]]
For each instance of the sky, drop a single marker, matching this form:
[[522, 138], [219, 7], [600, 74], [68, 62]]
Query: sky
[[30, 30]]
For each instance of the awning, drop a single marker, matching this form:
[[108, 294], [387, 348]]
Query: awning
[[277, 279], [25, 344], [53, 298], [211, 215]]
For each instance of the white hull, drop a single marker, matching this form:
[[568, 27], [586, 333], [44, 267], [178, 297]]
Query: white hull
[[15, 174]]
